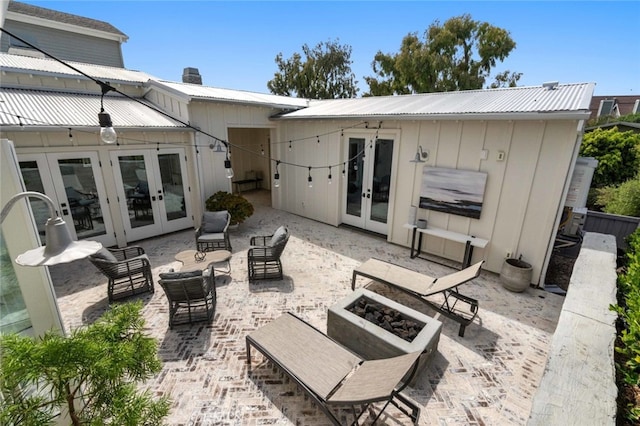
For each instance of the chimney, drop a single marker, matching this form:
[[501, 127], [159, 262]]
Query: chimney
[[191, 75]]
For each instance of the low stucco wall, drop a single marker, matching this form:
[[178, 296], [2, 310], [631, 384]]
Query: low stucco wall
[[578, 386]]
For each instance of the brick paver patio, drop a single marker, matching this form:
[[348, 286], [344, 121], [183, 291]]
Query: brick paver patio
[[488, 377]]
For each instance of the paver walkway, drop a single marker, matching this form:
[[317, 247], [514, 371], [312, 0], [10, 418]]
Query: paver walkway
[[486, 378]]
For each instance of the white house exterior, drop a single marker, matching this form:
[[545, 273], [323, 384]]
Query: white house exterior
[[172, 145]]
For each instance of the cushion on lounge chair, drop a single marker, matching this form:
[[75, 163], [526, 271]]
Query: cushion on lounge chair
[[104, 254], [278, 236], [180, 275], [214, 221]]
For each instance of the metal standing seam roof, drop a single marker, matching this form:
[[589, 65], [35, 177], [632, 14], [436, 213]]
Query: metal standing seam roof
[[196, 91], [27, 64], [570, 100], [45, 109]]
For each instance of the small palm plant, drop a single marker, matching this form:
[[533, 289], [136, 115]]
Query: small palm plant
[[92, 374]]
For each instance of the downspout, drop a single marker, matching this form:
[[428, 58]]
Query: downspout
[[560, 207]]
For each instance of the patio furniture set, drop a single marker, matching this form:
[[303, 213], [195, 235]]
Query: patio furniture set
[[334, 369]]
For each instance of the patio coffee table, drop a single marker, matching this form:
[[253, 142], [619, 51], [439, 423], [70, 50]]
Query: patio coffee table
[[193, 260]]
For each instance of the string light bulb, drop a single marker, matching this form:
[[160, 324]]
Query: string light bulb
[[261, 150], [289, 146], [276, 176], [310, 179], [227, 166], [70, 135], [329, 178], [107, 134]]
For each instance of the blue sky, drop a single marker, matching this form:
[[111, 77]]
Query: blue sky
[[234, 44]]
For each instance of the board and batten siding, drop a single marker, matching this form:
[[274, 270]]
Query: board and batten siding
[[66, 45], [522, 197]]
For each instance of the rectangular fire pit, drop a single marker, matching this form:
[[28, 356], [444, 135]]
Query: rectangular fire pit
[[371, 341]]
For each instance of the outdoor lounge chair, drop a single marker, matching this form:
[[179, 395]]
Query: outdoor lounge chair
[[421, 286], [128, 270], [213, 232], [331, 374], [263, 257], [191, 295]]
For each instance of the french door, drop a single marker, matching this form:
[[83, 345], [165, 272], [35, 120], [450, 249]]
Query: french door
[[153, 191], [74, 183], [368, 183]]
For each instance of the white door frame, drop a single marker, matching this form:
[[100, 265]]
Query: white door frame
[[54, 187], [364, 220], [156, 196]]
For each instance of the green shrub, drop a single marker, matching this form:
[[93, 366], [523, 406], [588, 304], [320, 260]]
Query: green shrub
[[93, 373], [238, 206], [629, 314], [618, 155], [623, 200]]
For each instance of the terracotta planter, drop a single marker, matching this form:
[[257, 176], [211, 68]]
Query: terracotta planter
[[515, 275]]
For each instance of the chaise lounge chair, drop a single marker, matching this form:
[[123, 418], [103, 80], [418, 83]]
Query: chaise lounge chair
[[420, 286], [331, 374]]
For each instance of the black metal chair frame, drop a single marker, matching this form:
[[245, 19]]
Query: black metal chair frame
[[129, 275], [191, 299], [263, 260]]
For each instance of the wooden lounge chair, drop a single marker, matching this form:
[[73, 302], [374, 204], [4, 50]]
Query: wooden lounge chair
[[331, 374], [420, 286]]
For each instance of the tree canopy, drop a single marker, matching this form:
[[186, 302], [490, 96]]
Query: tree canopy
[[324, 73], [457, 55]]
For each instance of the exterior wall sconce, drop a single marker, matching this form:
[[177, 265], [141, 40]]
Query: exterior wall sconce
[[60, 247], [421, 155]]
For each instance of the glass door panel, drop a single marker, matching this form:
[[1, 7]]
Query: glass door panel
[[33, 182], [135, 186], [354, 191], [172, 186], [381, 180]]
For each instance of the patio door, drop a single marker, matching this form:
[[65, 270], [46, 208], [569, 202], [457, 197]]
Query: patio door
[[74, 183], [153, 191], [368, 182]]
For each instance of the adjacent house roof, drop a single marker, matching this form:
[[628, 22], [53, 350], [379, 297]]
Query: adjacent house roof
[[624, 104], [199, 92], [63, 18], [569, 101], [27, 64], [40, 108]]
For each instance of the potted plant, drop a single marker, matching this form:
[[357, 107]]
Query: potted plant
[[515, 274], [89, 377], [238, 207]]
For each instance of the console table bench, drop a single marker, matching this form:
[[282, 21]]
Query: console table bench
[[469, 241]]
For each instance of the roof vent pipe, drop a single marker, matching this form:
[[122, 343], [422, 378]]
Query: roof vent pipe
[[191, 75], [550, 85]]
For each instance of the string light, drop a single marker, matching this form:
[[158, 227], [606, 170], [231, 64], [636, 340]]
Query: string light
[[329, 175], [276, 176], [310, 179], [158, 146], [261, 150], [107, 134], [70, 135], [111, 136], [344, 169], [227, 165]]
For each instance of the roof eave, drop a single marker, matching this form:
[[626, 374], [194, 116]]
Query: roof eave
[[541, 115]]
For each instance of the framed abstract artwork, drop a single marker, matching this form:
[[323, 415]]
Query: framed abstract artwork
[[454, 191]]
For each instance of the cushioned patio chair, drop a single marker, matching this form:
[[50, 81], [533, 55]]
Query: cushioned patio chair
[[263, 257], [332, 375], [213, 232], [191, 295], [128, 270]]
